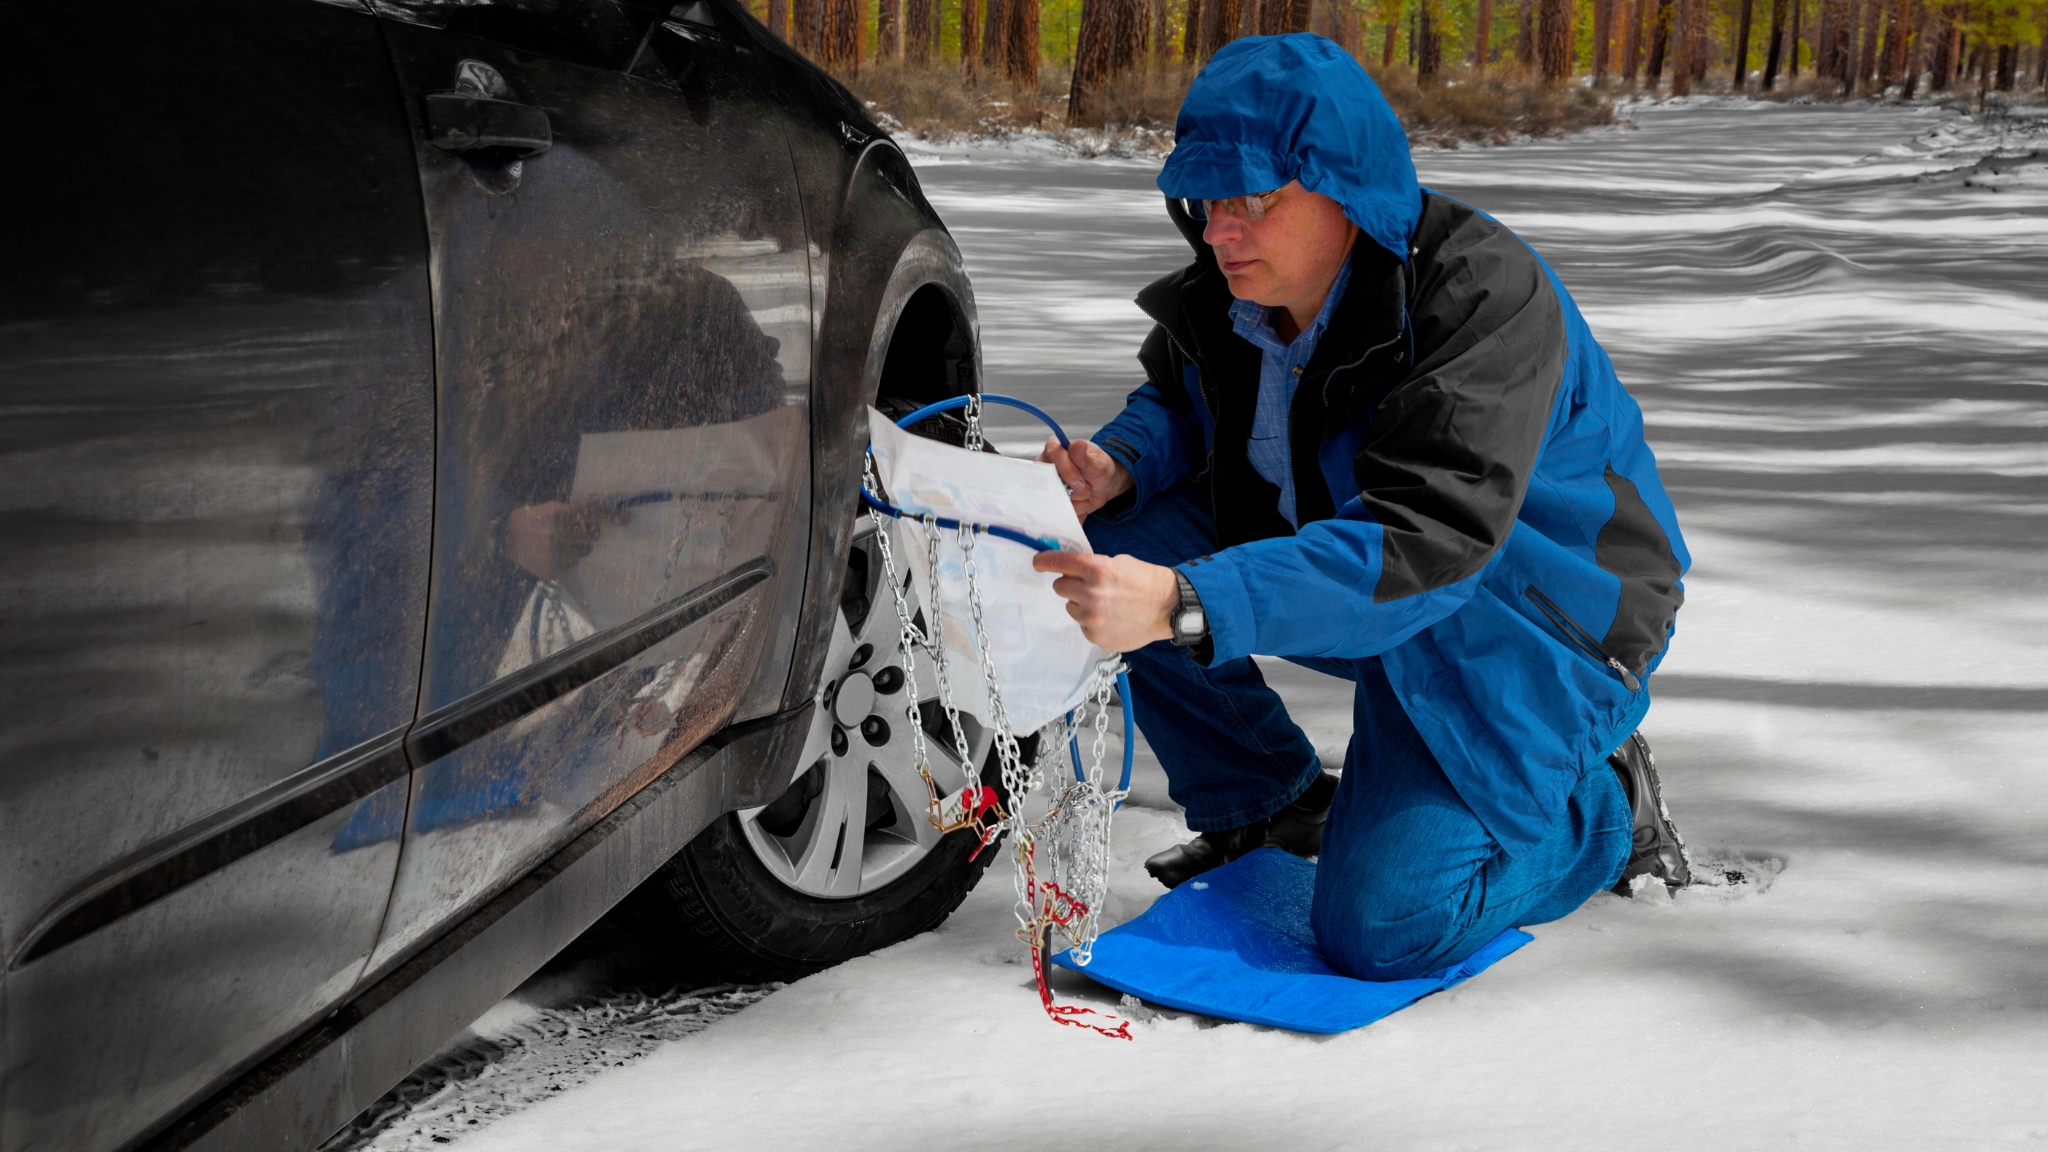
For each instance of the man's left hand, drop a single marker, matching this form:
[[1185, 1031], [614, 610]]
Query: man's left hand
[[1121, 602]]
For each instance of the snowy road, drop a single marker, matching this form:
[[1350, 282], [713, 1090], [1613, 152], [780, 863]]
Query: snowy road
[[1838, 327]]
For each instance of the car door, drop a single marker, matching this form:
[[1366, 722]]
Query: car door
[[215, 479], [622, 315]]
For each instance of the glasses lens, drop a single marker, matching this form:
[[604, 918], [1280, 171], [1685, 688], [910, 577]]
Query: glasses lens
[[1252, 207]]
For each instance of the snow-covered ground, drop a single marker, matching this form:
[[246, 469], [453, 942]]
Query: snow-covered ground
[[1837, 322]]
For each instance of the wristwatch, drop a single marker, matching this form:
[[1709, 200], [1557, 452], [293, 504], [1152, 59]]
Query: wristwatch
[[1189, 623]]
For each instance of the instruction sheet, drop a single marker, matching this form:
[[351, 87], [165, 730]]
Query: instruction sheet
[[1043, 663]]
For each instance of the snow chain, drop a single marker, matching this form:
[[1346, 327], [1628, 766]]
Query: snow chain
[[1061, 859]]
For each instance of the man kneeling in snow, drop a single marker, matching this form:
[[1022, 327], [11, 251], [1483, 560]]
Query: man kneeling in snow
[[1377, 439]]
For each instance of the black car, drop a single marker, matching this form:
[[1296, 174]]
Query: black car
[[430, 438]]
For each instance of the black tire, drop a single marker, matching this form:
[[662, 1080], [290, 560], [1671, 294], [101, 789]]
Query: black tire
[[717, 904]]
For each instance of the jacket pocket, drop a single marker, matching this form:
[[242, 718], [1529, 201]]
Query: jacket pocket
[[1580, 638]]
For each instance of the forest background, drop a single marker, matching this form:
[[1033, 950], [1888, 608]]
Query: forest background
[[1454, 69]]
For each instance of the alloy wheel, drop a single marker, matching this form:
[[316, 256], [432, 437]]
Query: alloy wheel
[[854, 817]]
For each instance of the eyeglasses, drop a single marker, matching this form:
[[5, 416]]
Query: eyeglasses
[[1252, 206]]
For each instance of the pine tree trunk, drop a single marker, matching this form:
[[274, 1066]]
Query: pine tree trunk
[[1482, 32], [844, 30], [1941, 49], [1162, 32], [995, 35], [1824, 36], [1298, 14], [1110, 43], [1916, 50], [1090, 63], [1891, 27], [1429, 51], [1866, 61], [1682, 49], [1742, 47], [1387, 45], [1525, 34], [1191, 32], [1020, 44], [1632, 43], [917, 31], [1842, 43], [1699, 41], [1660, 41], [1220, 19], [970, 38], [1798, 12], [888, 30], [1602, 14], [804, 25], [778, 17], [1554, 39], [1338, 20], [1776, 47]]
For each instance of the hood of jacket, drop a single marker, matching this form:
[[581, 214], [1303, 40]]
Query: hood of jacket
[[1269, 110]]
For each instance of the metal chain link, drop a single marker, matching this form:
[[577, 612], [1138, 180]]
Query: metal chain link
[[910, 642], [973, 413], [941, 663], [1075, 829]]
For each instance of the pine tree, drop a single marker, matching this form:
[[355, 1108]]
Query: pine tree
[[1682, 48], [1777, 43], [1110, 43], [1742, 48]]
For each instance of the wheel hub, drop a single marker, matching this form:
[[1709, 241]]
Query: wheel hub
[[854, 700]]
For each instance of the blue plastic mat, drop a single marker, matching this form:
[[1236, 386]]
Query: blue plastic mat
[[1236, 944]]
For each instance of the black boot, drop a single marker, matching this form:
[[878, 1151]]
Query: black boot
[[1655, 848], [1297, 828]]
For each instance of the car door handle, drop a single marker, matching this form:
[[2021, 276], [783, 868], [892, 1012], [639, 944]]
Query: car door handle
[[465, 122]]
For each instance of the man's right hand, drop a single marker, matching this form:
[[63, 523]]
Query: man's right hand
[[549, 539], [1092, 476]]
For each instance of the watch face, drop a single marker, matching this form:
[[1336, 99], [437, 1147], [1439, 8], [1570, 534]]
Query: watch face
[[1190, 622]]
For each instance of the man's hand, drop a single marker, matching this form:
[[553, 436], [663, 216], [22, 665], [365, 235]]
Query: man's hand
[[549, 539], [1121, 602], [1092, 476]]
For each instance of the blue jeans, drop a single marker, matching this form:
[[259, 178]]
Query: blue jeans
[[1409, 880]]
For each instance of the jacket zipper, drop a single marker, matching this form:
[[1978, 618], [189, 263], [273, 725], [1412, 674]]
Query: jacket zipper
[[1399, 331], [1579, 636]]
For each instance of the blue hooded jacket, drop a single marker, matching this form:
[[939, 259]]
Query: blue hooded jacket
[[1477, 504]]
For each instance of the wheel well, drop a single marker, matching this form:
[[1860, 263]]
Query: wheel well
[[931, 351]]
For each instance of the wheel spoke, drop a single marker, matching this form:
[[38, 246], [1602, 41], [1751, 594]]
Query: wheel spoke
[[896, 762], [830, 863], [882, 628]]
